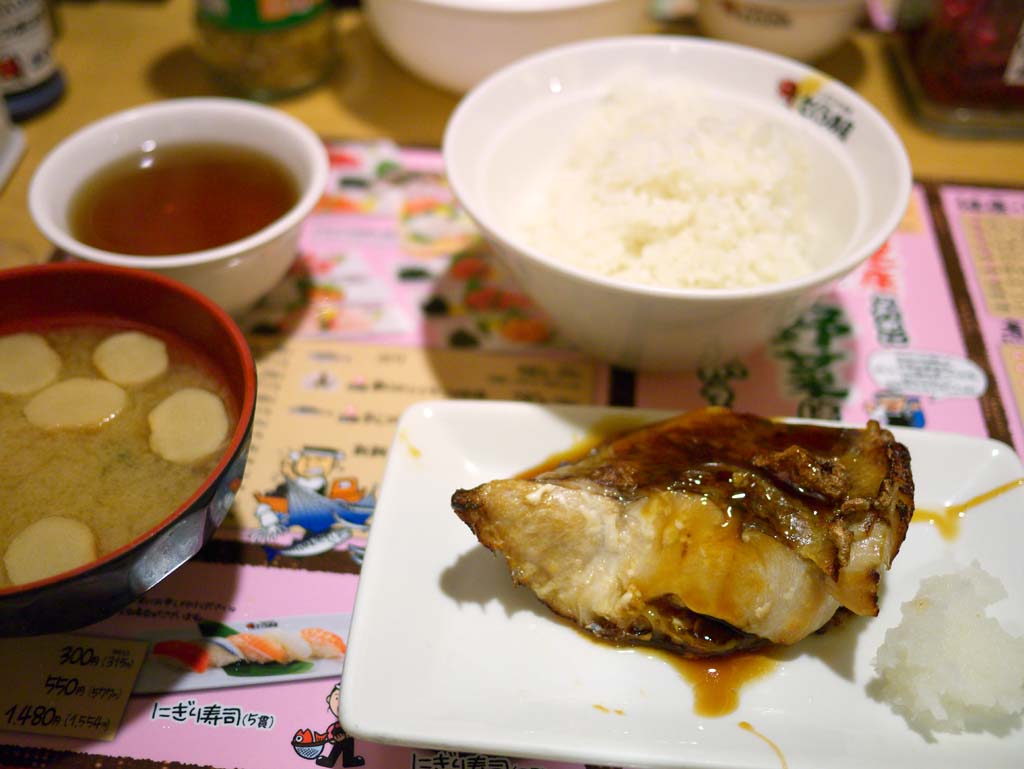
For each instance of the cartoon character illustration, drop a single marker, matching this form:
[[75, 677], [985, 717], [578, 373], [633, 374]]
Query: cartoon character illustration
[[891, 408], [327, 506], [310, 744]]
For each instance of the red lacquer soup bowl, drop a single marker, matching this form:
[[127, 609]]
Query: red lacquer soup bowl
[[62, 302]]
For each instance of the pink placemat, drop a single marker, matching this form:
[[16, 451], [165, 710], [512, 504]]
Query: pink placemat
[[394, 299]]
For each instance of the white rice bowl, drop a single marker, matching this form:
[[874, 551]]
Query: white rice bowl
[[624, 300]]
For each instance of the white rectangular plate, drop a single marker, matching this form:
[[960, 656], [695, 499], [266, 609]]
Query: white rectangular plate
[[446, 653]]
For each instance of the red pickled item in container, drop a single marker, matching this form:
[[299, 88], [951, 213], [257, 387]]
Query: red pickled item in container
[[971, 54]]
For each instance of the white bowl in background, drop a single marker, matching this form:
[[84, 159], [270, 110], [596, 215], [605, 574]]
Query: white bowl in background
[[234, 275], [456, 43], [802, 29], [506, 133]]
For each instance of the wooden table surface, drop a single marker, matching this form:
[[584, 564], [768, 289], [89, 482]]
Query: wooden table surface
[[120, 53]]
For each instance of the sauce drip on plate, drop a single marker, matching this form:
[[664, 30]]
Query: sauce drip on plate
[[601, 431], [947, 520], [717, 681], [745, 726]]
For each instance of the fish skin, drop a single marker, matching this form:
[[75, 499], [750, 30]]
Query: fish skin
[[708, 533]]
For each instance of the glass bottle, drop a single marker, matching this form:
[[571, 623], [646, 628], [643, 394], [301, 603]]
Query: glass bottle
[[265, 49], [971, 54], [30, 80]]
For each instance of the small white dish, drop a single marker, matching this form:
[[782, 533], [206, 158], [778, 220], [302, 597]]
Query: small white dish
[[234, 275], [445, 653]]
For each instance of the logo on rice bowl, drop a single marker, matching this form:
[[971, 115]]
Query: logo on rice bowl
[[806, 98]]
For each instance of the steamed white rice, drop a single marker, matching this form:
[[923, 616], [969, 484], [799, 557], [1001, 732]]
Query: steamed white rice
[[947, 666], [665, 185]]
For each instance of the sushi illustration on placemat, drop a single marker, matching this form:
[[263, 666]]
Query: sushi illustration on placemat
[[211, 654]]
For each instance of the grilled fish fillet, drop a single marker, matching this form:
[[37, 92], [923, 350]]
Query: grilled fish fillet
[[708, 533]]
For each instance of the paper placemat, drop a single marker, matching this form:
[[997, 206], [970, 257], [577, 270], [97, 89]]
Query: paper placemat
[[394, 300]]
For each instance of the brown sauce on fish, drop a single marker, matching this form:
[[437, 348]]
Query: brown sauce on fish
[[603, 430], [791, 482], [711, 461], [947, 521]]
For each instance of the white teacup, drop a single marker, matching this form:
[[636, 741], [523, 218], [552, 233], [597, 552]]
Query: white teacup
[[234, 275]]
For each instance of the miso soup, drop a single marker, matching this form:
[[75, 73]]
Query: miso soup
[[107, 475]]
